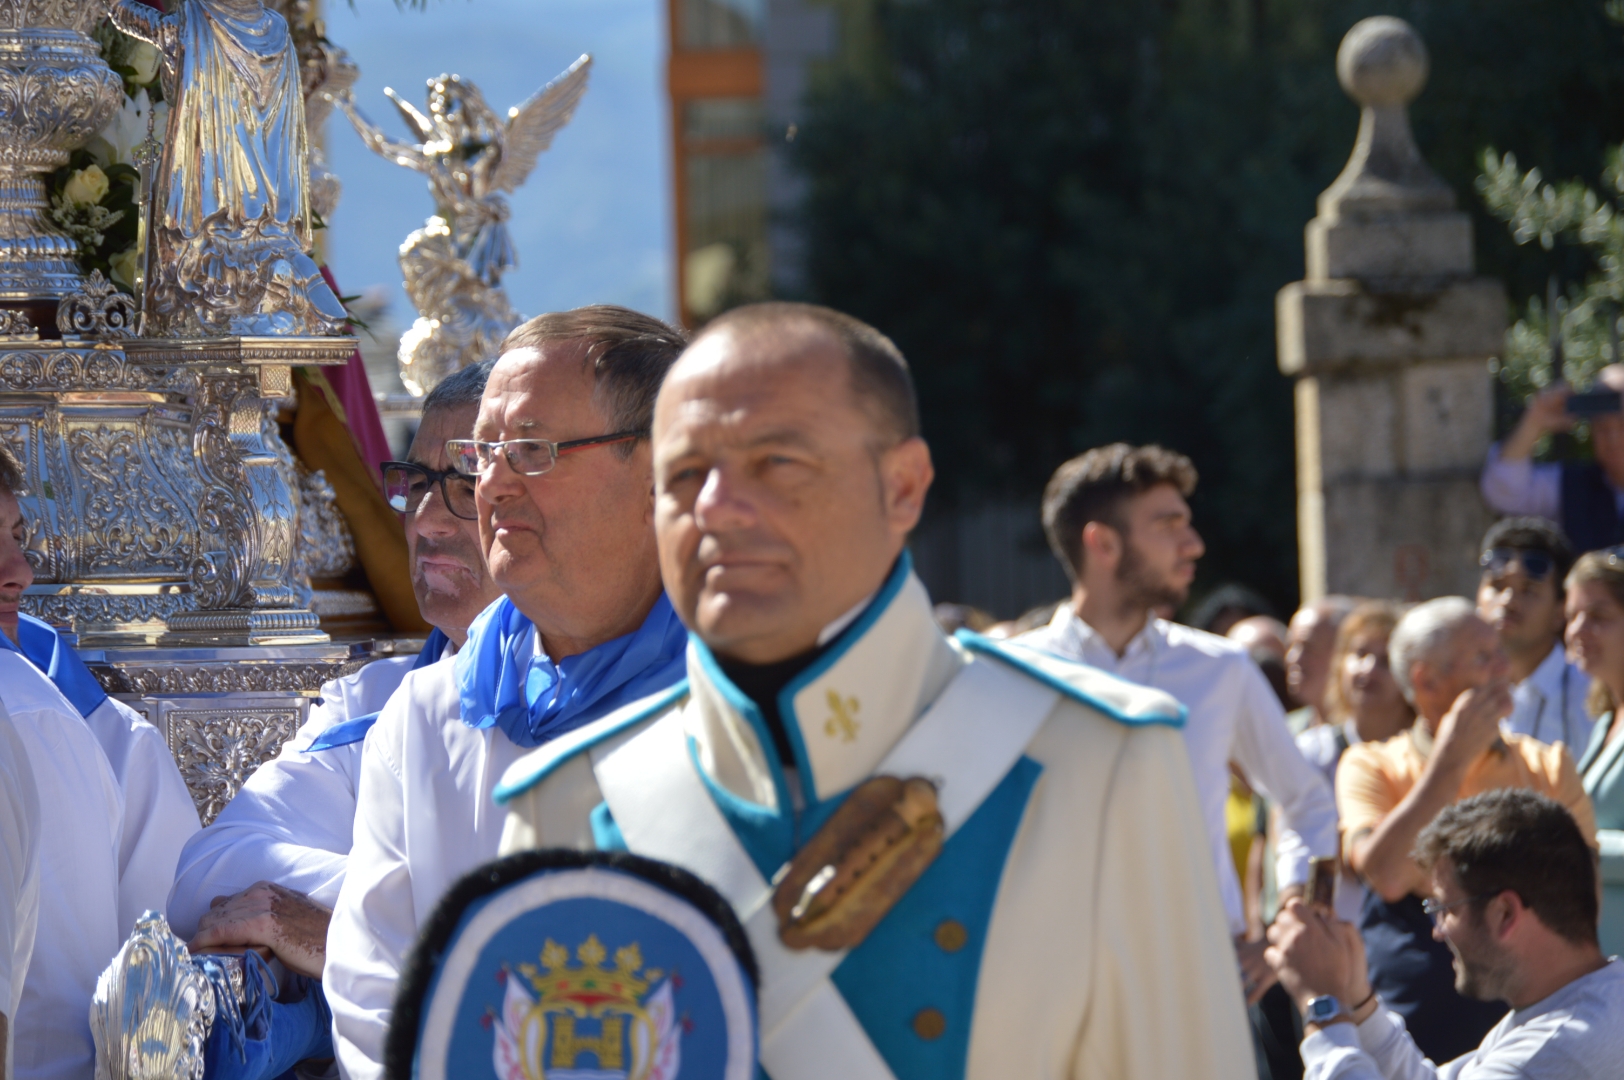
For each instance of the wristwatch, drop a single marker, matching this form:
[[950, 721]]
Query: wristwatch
[[1323, 1009]]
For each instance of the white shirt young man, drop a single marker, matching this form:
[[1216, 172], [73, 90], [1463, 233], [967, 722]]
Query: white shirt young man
[[289, 829], [584, 627], [1520, 594], [1513, 895], [1117, 518]]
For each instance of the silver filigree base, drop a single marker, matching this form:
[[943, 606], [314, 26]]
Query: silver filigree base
[[244, 626]]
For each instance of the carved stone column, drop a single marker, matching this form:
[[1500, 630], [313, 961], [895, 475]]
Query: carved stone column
[[1389, 338]]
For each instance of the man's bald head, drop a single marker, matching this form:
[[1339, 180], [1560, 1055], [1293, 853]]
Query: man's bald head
[[786, 482], [878, 374]]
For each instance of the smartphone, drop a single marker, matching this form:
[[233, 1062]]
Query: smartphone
[[1321, 891], [1595, 403]]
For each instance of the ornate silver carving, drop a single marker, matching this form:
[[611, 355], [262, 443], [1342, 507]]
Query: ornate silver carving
[[325, 70], [55, 93], [227, 677], [453, 266], [326, 549], [15, 324], [218, 751], [152, 1009], [230, 224], [98, 310]]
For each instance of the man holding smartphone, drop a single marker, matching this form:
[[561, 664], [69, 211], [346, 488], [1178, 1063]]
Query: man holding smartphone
[[1585, 497]]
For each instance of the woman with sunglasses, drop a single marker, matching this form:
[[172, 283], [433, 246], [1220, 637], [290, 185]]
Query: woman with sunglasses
[[1595, 638]]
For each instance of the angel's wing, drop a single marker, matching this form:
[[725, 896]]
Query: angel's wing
[[531, 126], [421, 125]]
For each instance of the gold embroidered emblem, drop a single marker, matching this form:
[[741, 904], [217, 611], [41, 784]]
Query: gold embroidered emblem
[[842, 722]]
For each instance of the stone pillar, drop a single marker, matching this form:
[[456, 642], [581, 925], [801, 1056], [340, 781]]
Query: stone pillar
[[1388, 339]]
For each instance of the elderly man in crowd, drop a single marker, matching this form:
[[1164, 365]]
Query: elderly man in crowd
[[1449, 664], [86, 885], [1512, 893], [1070, 927], [564, 491], [1310, 639], [268, 870], [1521, 594], [1119, 524]]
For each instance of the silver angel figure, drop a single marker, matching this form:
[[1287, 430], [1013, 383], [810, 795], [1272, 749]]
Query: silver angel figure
[[453, 265], [230, 230]]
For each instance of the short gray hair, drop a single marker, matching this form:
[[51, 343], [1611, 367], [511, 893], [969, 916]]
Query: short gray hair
[[12, 480], [1422, 631]]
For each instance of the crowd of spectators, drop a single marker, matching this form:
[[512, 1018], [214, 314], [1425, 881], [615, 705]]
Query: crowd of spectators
[[1455, 735]]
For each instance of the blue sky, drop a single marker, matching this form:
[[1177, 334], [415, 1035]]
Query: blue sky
[[593, 221]]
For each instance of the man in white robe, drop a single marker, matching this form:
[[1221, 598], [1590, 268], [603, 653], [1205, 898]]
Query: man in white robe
[[1070, 926], [564, 496], [268, 870], [100, 831], [19, 877]]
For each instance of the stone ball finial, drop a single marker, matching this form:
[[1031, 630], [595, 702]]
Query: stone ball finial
[[1382, 62]]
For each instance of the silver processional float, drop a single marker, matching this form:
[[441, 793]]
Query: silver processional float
[[159, 191]]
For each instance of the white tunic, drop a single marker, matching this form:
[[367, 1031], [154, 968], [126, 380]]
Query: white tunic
[[81, 834], [19, 870], [159, 814], [293, 820], [424, 818], [1105, 953], [1234, 716]]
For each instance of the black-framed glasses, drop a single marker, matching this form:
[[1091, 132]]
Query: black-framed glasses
[[1536, 564], [1435, 908], [527, 457], [406, 484]]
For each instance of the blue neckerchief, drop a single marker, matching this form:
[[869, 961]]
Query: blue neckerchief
[[355, 728], [506, 683], [44, 647]]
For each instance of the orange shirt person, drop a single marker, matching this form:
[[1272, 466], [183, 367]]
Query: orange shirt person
[[1449, 664]]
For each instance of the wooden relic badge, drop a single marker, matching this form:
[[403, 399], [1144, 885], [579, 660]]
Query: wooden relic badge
[[840, 885]]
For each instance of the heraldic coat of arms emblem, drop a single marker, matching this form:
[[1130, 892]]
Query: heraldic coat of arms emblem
[[558, 965]]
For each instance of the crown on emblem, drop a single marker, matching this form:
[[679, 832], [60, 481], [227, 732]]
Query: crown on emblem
[[589, 987]]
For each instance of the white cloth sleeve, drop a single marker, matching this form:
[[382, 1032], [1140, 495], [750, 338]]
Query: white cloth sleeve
[[1275, 768], [159, 815], [291, 823], [1521, 487], [374, 923], [19, 869], [1378, 1049]]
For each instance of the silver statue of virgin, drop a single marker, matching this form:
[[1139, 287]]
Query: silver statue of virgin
[[227, 251]]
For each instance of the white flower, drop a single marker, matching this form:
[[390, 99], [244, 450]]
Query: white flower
[[128, 127], [87, 187], [144, 59], [126, 265]]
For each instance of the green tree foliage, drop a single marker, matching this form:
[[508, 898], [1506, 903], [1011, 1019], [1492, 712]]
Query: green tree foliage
[[1073, 215]]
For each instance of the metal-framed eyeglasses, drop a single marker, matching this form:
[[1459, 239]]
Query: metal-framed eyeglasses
[[406, 484], [1435, 908], [527, 457], [1536, 564]]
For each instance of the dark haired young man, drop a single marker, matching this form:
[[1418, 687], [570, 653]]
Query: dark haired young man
[[1514, 898], [1525, 562], [1118, 522]]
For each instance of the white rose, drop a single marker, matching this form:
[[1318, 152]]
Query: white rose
[[126, 265], [144, 59], [87, 187]]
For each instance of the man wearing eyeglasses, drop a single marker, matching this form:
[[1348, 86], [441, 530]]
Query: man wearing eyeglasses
[[564, 491], [1449, 664], [1512, 895], [267, 871], [1525, 561]]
